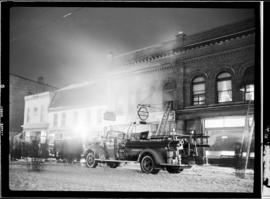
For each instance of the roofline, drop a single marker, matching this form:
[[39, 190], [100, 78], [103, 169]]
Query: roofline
[[37, 95], [77, 107], [74, 86], [221, 37], [32, 80], [191, 44]]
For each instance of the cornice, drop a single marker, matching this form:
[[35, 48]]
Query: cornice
[[218, 54], [189, 49], [170, 64]]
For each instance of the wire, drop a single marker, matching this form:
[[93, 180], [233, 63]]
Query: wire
[[45, 25]]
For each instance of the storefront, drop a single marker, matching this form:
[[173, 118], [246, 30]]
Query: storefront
[[225, 133]]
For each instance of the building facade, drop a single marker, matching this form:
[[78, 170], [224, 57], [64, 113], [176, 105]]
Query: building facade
[[36, 124], [19, 88], [208, 76], [76, 111]]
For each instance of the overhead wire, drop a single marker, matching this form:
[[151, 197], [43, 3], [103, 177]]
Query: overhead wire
[[45, 25]]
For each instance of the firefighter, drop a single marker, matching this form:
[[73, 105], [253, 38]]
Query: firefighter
[[238, 163]]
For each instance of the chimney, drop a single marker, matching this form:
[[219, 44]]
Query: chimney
[[180, 34], [40, 80]]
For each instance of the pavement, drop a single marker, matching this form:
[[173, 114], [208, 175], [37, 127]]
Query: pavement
[[74, 177]]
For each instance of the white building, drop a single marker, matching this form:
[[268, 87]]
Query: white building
[[36, 124], [75, 112]]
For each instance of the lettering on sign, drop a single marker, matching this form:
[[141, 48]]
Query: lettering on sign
[[143, 113]]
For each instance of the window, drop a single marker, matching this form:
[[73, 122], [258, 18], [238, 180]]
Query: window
[[75, 117], [35, 111], [224, 87], [55, 120], [99, 116], [88, 116], [120, 109], [198, 91], [51, 139], [63, 121], [249, 92], [41, 113], [248, 84], [28, 115], [169, 93]]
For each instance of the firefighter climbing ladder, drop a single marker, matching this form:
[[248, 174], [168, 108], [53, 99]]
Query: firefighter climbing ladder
[[247, 136], [164, 120]]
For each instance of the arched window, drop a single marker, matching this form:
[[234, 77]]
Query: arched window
[[169, 93], [248, 84], [224, 87], [198, 91]]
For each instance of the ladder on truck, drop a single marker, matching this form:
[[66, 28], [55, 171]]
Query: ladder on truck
[[164, 120], [247, 138]]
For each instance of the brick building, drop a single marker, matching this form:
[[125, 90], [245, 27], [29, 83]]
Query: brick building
[[209, 77], [19, 88]]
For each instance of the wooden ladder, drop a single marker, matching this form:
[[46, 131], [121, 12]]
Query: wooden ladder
[[164, 120], [247, 135]]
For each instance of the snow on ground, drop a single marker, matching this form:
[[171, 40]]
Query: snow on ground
[[65, 177], [266, 192]]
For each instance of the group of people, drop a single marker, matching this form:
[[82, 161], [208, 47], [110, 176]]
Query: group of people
[[19, 148]]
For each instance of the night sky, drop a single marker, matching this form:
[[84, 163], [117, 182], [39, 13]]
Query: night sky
[[70, 45]]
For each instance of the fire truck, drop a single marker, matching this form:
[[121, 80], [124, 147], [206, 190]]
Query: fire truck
[[169, 152]]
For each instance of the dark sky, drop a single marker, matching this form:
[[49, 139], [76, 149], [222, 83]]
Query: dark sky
[[69, 45]]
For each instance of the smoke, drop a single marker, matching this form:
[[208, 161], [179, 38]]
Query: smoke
[[128, 90]]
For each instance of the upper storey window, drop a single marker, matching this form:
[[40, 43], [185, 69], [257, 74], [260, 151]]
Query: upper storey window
[[198, 91], [63, 121], [169, 93], [55, 120], [224, 87], [248, 85]]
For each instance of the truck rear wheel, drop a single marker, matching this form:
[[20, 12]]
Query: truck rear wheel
[[148, 165], [174, 169], [91, 160]]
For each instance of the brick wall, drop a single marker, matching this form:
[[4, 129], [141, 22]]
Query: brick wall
[[234, 62]]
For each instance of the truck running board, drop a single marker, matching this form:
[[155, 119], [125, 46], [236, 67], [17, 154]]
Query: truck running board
[[173, 165], [120, 161]]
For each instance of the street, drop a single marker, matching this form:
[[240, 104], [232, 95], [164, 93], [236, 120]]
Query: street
[[65, 177]]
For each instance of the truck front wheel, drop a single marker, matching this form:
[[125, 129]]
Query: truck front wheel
[[90, 160], [148, 165]]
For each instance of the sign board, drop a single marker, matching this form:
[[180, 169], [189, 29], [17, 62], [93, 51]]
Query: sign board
[[143, 113], [111, 116]]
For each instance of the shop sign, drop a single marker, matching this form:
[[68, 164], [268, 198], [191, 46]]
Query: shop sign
[[143, 113]]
